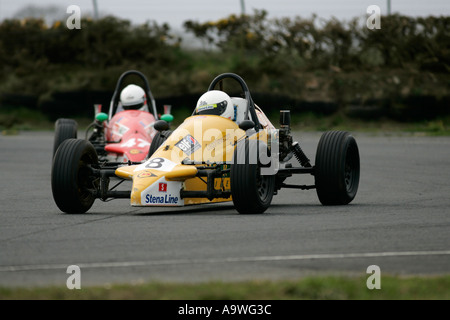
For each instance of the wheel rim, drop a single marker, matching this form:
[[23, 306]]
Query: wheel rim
[[351, 169], [263, 186], [84, 180]]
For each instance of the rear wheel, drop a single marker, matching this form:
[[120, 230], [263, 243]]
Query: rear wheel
[[337, 168], [251, 191], [64, 129], [157, 141], [73, 184]]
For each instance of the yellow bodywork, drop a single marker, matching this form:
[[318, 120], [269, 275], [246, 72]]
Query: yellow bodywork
[[159, 180]]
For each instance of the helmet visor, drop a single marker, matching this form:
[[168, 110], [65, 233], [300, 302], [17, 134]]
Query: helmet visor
[[133, 106], [212, 108]]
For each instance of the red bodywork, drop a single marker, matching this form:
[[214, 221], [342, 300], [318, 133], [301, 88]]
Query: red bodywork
[[132, 132]]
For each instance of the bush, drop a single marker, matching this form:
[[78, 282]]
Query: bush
[[310, 64]]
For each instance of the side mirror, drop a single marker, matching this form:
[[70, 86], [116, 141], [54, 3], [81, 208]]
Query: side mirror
[[246, 124], [161, 125]]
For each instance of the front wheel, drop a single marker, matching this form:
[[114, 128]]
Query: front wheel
[[251, 191], [73, 184], [337, 168]]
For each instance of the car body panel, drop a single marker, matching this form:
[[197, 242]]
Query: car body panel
[[205, 140], [131, 133]]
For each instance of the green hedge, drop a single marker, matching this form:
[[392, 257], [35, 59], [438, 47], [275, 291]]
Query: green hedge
[[401, 70]]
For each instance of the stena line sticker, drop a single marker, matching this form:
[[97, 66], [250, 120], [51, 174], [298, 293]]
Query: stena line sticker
[[162, 193]]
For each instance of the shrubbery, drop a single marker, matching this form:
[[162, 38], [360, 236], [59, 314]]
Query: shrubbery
[[299, 61], [317, 44]]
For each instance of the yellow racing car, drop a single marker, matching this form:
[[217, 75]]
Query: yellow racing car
[[227, 150]]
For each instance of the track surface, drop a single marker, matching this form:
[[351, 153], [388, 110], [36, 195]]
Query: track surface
[[399, 220]]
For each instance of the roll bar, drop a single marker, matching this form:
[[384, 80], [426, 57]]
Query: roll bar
[[250, 104], [116, 96]]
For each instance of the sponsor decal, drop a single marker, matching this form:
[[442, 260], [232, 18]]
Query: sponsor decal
[[165, 199], [135, 151], [188, 145], [202, 103], [147, 126], [162, 193], [222, 183], [146, 174], [206, 107], [119, 129]]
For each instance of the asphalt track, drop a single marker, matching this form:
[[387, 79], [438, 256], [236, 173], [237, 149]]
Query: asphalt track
[[399, 221]]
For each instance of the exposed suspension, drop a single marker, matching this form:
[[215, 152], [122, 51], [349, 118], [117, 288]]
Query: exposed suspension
[[287, 146], [300, 155], [285, 135]]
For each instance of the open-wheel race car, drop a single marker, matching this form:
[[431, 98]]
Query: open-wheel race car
[[227, 150], [126, 131]]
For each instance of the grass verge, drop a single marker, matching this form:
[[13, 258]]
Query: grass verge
[[22, 119], [308, 288], [314, 122]]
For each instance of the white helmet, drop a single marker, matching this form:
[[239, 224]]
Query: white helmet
[[132, 97], [215, 102]]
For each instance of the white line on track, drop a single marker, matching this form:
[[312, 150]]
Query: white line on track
[[38, 267]]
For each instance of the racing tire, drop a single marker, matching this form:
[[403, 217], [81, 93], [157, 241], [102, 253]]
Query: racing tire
[[337, 168], [157, 141], [64, 129], [251, 192], [73, 185]]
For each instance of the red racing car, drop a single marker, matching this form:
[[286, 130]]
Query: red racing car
[[126, 132]]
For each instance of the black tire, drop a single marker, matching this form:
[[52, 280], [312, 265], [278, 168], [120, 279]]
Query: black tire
[[337, 168], [157, 141], [73, 185], [252, 192], [64, 129]]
